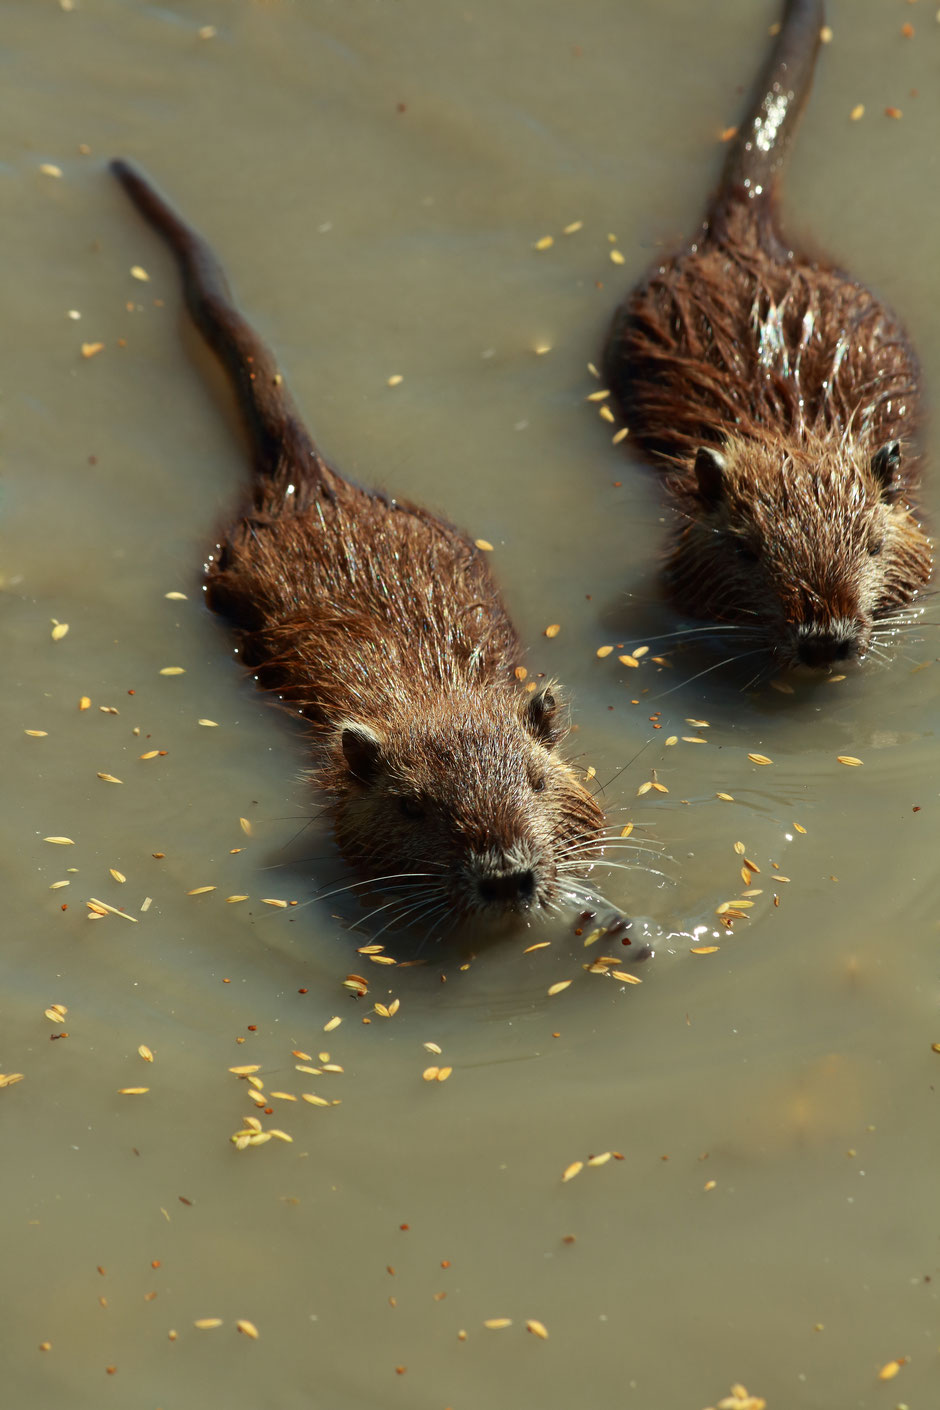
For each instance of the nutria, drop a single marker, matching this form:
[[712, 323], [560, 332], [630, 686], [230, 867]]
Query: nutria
[[381, 625], [780, 398]]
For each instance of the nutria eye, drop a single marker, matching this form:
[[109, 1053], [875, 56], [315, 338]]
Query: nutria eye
[[745, 551], [875, 548], [411, 807], [538, 784]]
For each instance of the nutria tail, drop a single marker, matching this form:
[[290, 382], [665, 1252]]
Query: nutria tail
[[764, 136], [271, 419]]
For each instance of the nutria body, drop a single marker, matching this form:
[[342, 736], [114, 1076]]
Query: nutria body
[[780, 398], [380, 624]]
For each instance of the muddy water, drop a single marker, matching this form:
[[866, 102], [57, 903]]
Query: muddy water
[[375, 177]]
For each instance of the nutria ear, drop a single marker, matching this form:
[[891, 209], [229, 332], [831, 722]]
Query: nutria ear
[[362, 749], [710, 466], [544, 716], [885, 466]]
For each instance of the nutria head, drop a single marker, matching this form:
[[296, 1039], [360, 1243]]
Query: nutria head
[[805, 545], [466, 803]]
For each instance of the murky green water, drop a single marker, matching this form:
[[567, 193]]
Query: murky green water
[[375, 177]]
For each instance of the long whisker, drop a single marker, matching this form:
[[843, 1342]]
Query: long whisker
[[708, 669]]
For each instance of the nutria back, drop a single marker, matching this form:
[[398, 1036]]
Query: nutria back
[[380, 625], [779, 397]]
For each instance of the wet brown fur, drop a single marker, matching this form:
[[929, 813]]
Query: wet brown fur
[[798, 376], [380, 624]]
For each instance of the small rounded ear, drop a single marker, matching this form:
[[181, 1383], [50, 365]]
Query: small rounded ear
[[544, 716], [362, 750], [886, 466], [710, 467]]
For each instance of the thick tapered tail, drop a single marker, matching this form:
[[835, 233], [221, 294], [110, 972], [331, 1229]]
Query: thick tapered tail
[[264, 401], [765, 134]]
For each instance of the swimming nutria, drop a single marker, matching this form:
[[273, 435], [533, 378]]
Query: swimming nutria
[[381, 625], [780, 396]]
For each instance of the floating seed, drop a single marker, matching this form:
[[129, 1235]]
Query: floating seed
[[571, 1171], [759, 759]]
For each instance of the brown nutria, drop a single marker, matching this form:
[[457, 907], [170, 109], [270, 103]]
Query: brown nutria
[[381, 625], [780, 397]]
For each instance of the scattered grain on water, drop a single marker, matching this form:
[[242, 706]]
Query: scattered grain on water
[[557, 988], [570, 1171], [759, 759], [538, 1329], [850, 760]]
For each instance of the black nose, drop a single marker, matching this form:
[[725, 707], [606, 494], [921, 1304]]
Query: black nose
[[514, 888], [823, 649]]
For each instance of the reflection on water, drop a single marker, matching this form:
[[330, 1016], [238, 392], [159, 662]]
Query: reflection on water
[[751, 1128]]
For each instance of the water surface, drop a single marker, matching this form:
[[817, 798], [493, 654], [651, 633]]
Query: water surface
[[375, 177]]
